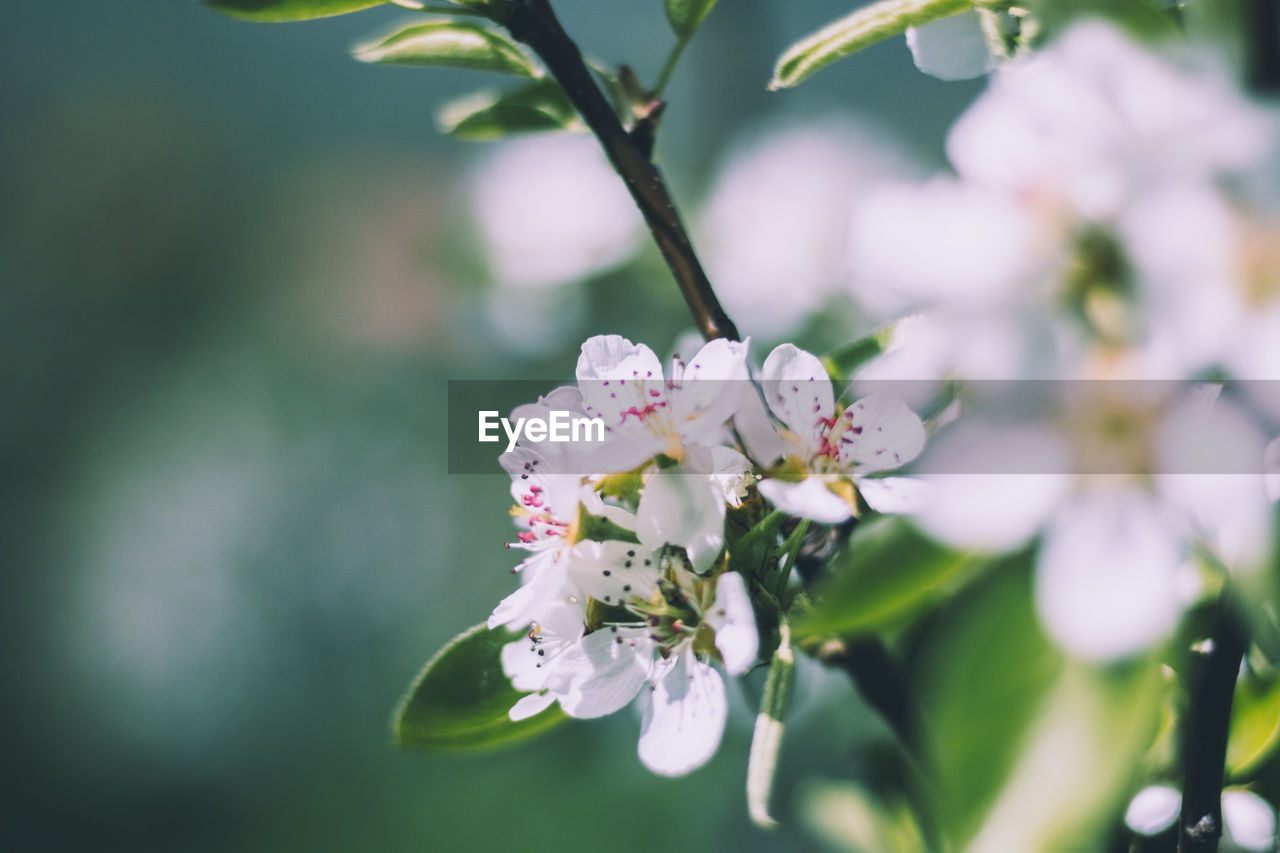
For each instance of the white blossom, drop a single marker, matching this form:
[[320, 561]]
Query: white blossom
[[829, 448]]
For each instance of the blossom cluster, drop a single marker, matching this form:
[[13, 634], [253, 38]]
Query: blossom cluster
[[1110, 215], [633, 585]]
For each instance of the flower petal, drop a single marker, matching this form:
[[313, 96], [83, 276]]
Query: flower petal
[[609, 668], [528, 706], [734, 621], [894, 495], [810, 498], [1106, 583], [884, 434], [798, 390], [952, 48], [1250, 820], [614, 571], [683, 719], [682, 509], [1153, 810], [616, 377], [710, 389]]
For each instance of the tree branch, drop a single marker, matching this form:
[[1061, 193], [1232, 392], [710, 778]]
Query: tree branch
[[534, 23], [1205, 730], [1262, 45]]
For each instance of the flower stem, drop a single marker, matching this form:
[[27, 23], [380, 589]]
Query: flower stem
[[1206, 727], [766, 741], [669, 67], [534, 23]]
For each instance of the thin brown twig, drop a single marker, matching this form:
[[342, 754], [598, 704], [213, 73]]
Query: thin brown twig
[[534, 23]]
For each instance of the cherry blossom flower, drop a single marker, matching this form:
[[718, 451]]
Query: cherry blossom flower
[[829, 450], [647, 413]]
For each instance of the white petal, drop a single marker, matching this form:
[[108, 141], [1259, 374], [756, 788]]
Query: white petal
[[682, 509], [810, 498], [889, 435], [614, 571], [616, 376], [709, 392], [970, 508], [609, 669], [1106, 580], [684, 717], [894, 495], [952, 48], [941, 242], [798, 390], [528, 706], [1208, 452], [734, 621], [756, 428], [516, 610], [1250, 820], [1153, 810], [729, 471], [521, 666]]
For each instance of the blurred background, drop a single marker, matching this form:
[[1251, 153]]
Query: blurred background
[[239, 269]]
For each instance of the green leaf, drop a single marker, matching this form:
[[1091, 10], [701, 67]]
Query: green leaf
[[1255, 724], [461, 698], [685, 16], [453, 44], [850, 34], [888, 572], [486, 116], [277, 11], [1031, 752]]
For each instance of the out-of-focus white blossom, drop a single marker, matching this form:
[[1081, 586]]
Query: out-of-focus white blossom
[[774, 228], [1249, 822], [551, 210], [1121, 490], [951, 48]]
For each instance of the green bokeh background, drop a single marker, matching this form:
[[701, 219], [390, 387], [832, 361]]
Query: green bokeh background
[[238, 272]]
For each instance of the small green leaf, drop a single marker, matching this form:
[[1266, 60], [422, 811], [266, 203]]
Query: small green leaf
[[1255, 724], [685, 16], [278, 11], [888, 572], [851, 34], [461, 698], [453, 44], [486, 116]]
